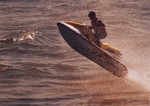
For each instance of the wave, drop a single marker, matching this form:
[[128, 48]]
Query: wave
[[19, 0], [22, 36]]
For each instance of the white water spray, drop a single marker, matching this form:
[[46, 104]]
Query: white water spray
[[140, 78]]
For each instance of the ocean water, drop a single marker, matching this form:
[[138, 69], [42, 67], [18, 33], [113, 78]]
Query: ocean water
[[38, 68]]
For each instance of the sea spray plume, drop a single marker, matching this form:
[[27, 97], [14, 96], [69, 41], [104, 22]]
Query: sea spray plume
[[140, 78]]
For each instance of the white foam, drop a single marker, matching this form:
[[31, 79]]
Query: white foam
[[26, 35]]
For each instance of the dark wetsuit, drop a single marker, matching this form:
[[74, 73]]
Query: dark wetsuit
[[99, 30]]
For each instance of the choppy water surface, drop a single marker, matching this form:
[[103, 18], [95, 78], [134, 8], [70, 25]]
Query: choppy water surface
[[38, 68]]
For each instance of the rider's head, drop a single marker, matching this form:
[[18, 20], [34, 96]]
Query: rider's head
[[92, 15]]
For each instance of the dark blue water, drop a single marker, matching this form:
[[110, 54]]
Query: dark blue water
[[38, 68]]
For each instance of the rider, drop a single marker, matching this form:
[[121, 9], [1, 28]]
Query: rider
[[98, 27]]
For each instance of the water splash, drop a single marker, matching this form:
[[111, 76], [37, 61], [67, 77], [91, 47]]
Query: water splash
[[139, 77], [25, 35], [22, 36]]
